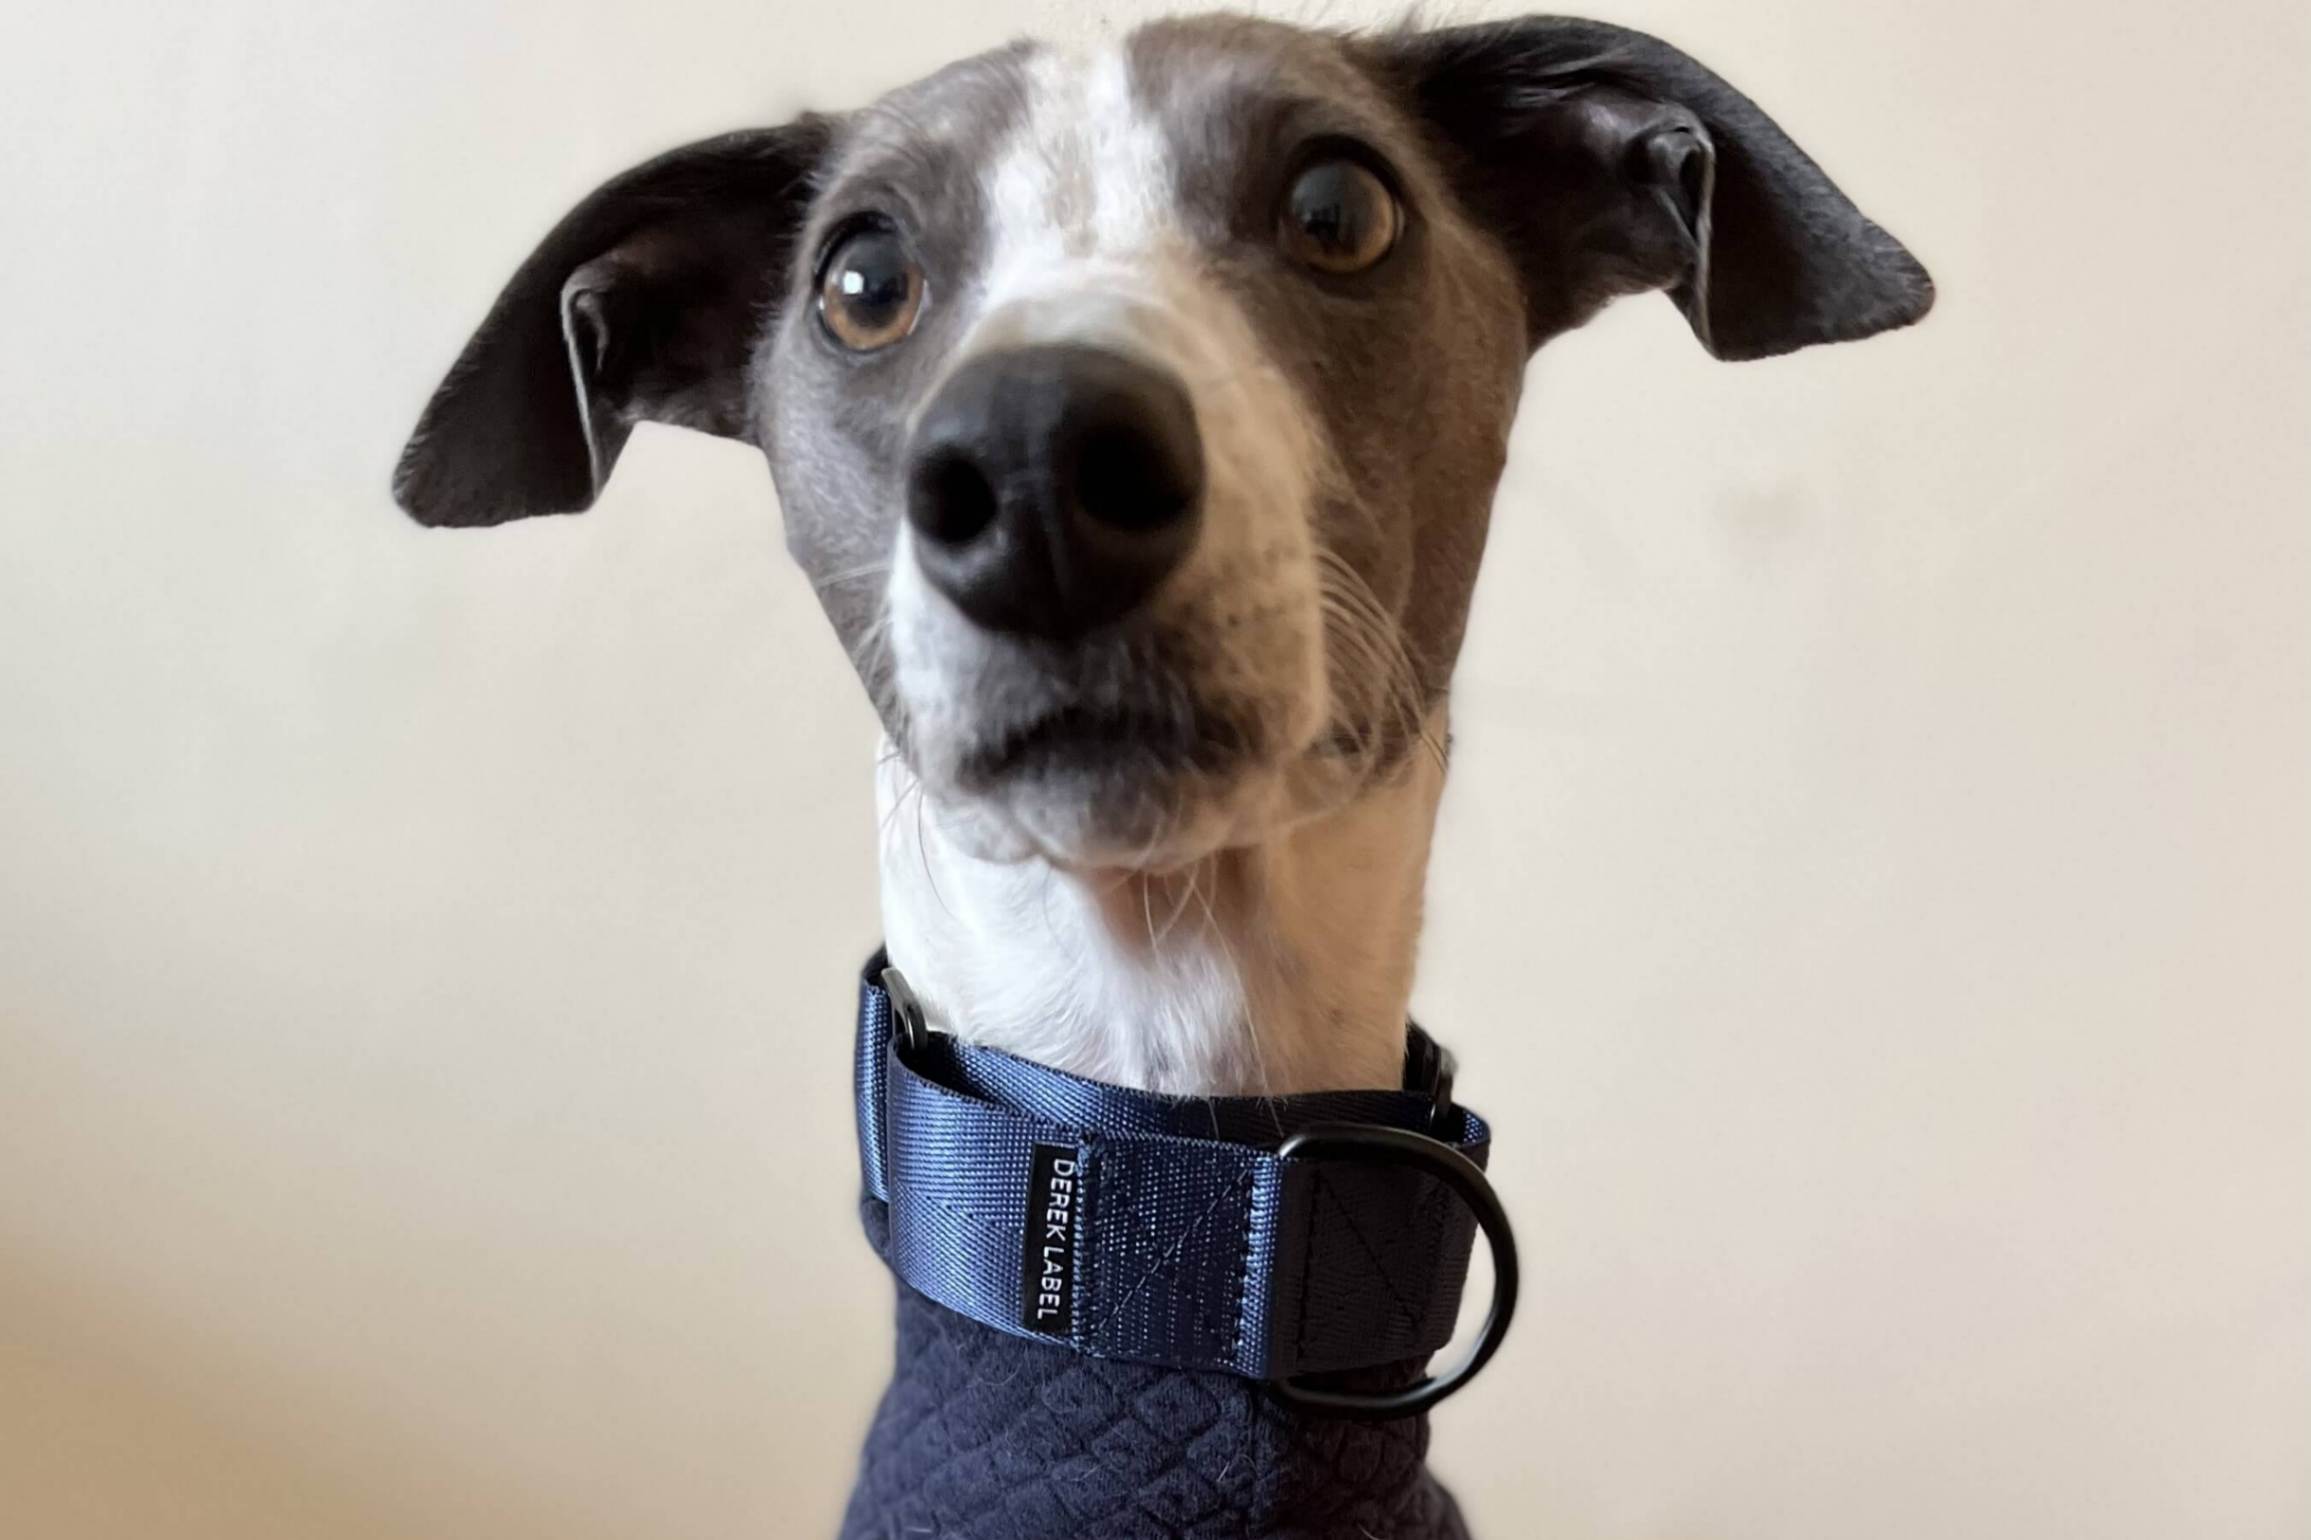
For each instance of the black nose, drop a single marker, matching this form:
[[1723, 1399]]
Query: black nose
[[1053, 488]]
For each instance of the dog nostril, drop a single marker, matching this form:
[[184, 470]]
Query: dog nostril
[[1126, 481], [952, 500]]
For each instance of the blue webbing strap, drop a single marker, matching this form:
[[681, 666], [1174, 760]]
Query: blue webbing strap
[[1161, 1229]]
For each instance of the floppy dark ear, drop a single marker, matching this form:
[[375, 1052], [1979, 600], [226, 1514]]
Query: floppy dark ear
[[643, 303], [1610, 162]]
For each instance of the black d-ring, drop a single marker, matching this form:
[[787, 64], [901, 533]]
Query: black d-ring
[[907, 1020], [1377, 1145]]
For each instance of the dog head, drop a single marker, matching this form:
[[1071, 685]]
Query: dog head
[[1137, 415]]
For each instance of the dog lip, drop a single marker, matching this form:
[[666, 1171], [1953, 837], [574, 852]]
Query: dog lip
[[1070, 736], [1100, 739]]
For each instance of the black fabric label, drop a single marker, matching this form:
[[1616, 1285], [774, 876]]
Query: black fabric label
[[1047, 1250]]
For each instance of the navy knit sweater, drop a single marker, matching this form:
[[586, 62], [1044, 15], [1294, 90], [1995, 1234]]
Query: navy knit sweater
[[986, 1436]]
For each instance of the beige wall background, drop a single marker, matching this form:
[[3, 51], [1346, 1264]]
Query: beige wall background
[[1874, 898]]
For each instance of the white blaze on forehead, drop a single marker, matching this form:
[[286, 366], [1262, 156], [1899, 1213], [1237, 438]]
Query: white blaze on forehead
[[1086, 243], [1084, 239], [1087, 172]]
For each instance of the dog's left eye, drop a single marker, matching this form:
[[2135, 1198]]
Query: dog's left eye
[[870, 290], [1339, 217]]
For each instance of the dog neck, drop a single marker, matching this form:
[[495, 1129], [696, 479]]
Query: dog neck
[[1270, 969]]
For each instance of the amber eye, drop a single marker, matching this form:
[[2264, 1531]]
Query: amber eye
[[1339, 218], [869, 290]]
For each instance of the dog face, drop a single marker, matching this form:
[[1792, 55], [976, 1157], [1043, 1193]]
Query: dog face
[[1137, 414], [1202, 350]]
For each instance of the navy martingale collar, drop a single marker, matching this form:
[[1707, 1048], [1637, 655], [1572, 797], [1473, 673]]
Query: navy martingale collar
[[1280, 1239]]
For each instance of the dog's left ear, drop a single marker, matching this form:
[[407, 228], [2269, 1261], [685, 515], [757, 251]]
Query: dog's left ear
[[644, 303], [1609, 163]]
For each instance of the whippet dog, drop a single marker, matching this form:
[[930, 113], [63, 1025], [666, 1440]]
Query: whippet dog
[[1137, 414]]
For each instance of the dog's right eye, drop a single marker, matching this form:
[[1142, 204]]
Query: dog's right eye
[[1339, 217], [870, 290]]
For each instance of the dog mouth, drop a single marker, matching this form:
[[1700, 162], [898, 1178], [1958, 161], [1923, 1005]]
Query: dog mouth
[[1144, 746], [1100, 744], [1149, 782]]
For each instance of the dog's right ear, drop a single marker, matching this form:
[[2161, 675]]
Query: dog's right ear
[[1609, 163], [644, 303]]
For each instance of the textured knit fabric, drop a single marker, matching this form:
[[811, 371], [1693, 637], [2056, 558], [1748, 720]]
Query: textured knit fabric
[[986, 1436]]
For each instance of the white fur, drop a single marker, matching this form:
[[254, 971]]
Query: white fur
[[1278, 967]]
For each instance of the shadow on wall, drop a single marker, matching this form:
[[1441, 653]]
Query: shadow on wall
[[120, 1426]]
